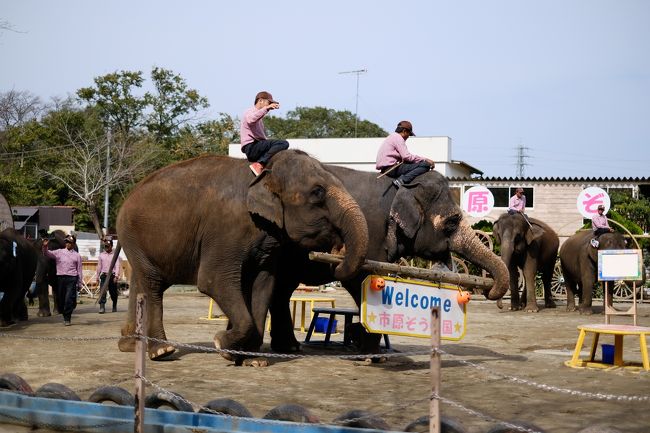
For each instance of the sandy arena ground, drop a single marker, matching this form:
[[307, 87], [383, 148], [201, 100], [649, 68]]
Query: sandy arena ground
[[532, 347]]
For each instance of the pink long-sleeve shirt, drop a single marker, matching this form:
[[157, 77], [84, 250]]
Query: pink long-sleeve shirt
[[68, 262], [516, 203], [599, 222], [394, 150], [104, 263], [252, 125]]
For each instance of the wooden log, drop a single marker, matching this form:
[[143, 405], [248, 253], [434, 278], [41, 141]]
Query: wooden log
[[382, 268]]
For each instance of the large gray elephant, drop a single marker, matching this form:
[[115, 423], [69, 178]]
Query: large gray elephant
[[418, 219], [18, 259], [531, 248], [205, 221], [579, 262]]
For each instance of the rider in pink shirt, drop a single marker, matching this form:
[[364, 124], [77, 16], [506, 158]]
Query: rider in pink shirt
[[395, 160], [254, 144]]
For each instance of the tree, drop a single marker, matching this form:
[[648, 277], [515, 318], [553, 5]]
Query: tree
[[212, 136], [320, 122], [17, 108], [118, 107], [172, 104], [82, 168]]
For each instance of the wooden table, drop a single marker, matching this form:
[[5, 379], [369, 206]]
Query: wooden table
[[618, 331], [304, 300]]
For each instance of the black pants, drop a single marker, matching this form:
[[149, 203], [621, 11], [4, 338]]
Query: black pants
[[261, 151], [409, 171], [66, 295], [112, 289], [601, 231]]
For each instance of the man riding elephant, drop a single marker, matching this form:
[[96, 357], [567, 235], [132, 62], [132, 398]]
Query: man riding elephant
[[418, 219], [184, 225]]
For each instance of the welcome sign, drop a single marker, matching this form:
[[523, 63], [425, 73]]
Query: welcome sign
[[403, 307]]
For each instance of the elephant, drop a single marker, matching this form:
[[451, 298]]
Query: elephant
[[46, 271], [203, 222], [579, 261], [530, 245], [418, 219], [18, 259]]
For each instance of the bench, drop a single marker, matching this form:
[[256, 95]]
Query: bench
[[348, 313]]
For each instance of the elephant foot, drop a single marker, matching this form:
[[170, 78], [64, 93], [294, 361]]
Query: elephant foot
[[256, 362], [571, 308], [220, 345], [160, 350], [586, 311], [550, 303], [6, 323], [500, 304], [514, 307], [43, 313], [126, 344], [286, 347], [531, 308]]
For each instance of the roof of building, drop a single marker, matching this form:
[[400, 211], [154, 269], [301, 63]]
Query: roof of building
[[636, 180]]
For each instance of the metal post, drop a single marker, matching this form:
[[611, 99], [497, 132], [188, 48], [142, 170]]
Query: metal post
[[434, 411], [140, 357], [106, 190], [356, 107]]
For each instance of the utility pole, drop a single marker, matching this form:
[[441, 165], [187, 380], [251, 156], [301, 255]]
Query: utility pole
[[109, 138], [521, 157], [356, 108]]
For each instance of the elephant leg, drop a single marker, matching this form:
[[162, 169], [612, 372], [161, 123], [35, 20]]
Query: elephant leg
[[587, 286], [514, 290], [571, 291], [43, 299], [283, 338], [547, 276], [529, 282], [155, 328]]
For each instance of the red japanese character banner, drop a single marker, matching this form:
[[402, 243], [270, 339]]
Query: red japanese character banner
[[477, 201], [403, 307]]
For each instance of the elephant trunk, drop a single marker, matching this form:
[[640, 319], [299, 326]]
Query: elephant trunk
[[347, 216], [467, 244]]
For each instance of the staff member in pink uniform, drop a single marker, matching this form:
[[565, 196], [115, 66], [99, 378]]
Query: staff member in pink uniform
[[517, 202], [103, 266], [254, 144], [395, 160], [69, 275]]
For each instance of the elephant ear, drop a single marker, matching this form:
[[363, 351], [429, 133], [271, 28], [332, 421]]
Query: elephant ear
[[534, 233], [263, 199], [405, 213], [496, 231]]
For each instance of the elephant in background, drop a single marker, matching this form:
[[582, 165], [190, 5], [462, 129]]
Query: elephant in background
[[531, 248], [579, 260], [203, 222], [46, 271], [18, 259], [418, 219]]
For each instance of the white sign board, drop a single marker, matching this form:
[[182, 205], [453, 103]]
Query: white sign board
[[616, 265], [589, 199], [403, 307], [478, 201]]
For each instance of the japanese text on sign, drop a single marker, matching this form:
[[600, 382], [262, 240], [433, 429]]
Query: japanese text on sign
[[403, 307], [478, 201], [589, 199]]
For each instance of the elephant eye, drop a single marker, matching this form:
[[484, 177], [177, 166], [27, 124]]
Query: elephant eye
[[317, 195], [451, 224]]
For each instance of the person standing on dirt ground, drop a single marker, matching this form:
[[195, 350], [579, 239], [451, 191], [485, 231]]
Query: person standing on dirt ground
[[254, 144], [69, 275], [103, 266], [394, 159]]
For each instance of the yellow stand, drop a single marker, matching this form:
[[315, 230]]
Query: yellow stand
[[211, 316], [303, 300], [618, 331]]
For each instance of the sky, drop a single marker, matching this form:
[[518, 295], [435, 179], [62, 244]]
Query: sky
[[565, 81]]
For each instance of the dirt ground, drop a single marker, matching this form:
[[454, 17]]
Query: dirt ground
[[532, 347]]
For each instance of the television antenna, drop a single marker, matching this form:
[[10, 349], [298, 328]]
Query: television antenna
[[356, 108]]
